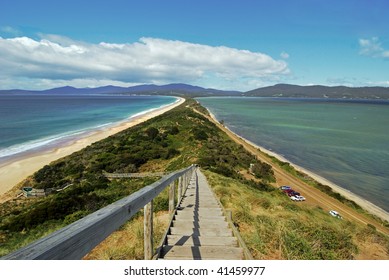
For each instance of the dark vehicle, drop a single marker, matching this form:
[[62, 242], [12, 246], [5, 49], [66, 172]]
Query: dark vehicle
[[285, 188], [288, 191], [293, 193]]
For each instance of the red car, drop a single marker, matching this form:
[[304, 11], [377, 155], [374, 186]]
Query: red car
[[293, 193], [288, 190]]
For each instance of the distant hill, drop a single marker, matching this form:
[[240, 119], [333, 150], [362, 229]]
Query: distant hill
[[279, 90], [170, 89], [285, 90]]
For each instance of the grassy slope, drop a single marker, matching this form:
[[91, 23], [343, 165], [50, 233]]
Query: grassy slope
[[272, 225]]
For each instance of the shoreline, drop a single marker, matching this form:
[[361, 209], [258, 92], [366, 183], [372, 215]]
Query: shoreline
[[18, 168], [365, 204]]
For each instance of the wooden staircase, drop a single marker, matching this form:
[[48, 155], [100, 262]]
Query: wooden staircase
[[199, 230]]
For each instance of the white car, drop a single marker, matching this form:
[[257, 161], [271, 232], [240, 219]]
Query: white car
[[300, 198], [297, 198], [335, 214]]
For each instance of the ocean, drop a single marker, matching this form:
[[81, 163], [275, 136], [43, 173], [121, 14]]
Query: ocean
[[33, 121], [344, 141]]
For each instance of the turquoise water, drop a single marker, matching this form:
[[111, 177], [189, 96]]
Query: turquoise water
[[346, 142], [31, 121]]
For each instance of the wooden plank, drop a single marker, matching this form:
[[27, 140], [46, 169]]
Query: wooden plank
[[219, 223], [202, 253], [171, 197], [179, 191], [148, 230], [200, 212], [201, 231], [186, 240]]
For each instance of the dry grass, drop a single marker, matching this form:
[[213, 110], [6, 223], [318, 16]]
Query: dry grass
[[275, 227], [127, 242]]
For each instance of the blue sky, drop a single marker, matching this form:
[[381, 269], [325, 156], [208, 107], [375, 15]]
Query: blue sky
[[238, 45]]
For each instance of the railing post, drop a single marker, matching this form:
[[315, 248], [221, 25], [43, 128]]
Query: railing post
[[171, 197], [148, 230], [186, 180], [179, 190]]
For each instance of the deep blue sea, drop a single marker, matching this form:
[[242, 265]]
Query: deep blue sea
[[32, 121], [346, 142]]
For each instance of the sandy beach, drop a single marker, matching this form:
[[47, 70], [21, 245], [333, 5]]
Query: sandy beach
[[17, 169], [365, 204]]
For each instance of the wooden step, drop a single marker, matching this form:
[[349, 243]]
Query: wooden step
[[208, 219], [202, 253], [201, 204], [198, 214], [201, 231], [194, 240], [210, 210], [201, 223]]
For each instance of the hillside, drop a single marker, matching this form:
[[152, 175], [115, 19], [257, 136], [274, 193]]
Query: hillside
[[274, 227], [285, 90], [148, 89], [185, 90]]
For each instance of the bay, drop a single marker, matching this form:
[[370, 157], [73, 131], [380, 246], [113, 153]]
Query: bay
[[344, 141]]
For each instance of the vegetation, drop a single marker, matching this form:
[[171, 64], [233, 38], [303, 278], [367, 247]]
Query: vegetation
[[263, 171], [272, 226], [166, 143]]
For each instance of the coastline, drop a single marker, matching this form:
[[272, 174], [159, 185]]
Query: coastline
[[16, 169], [365, 204]]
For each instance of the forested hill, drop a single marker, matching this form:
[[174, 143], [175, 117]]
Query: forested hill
[[178, 89], [286, 90], [185, 90]]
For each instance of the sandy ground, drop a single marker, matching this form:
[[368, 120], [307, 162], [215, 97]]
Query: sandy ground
[[313, 196], [16, 170]]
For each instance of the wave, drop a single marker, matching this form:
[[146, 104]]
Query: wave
[[55, 140], [39, 143]]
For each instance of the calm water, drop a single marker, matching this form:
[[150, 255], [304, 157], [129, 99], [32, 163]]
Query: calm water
[[346, 142], [32, 121]]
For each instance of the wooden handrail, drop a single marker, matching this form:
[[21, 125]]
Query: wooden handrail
[[79, 238]]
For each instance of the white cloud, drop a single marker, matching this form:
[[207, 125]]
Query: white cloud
[[150, 60], [372, 47]]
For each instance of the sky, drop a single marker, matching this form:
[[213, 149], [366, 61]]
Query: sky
[[234, 45]]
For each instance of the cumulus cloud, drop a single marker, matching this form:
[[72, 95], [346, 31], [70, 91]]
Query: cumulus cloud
[[150, 60], [372, 47]]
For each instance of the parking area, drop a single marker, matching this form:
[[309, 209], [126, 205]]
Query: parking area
[[293, 194]]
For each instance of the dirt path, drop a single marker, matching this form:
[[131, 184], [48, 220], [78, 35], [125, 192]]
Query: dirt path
[[313, 196]]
